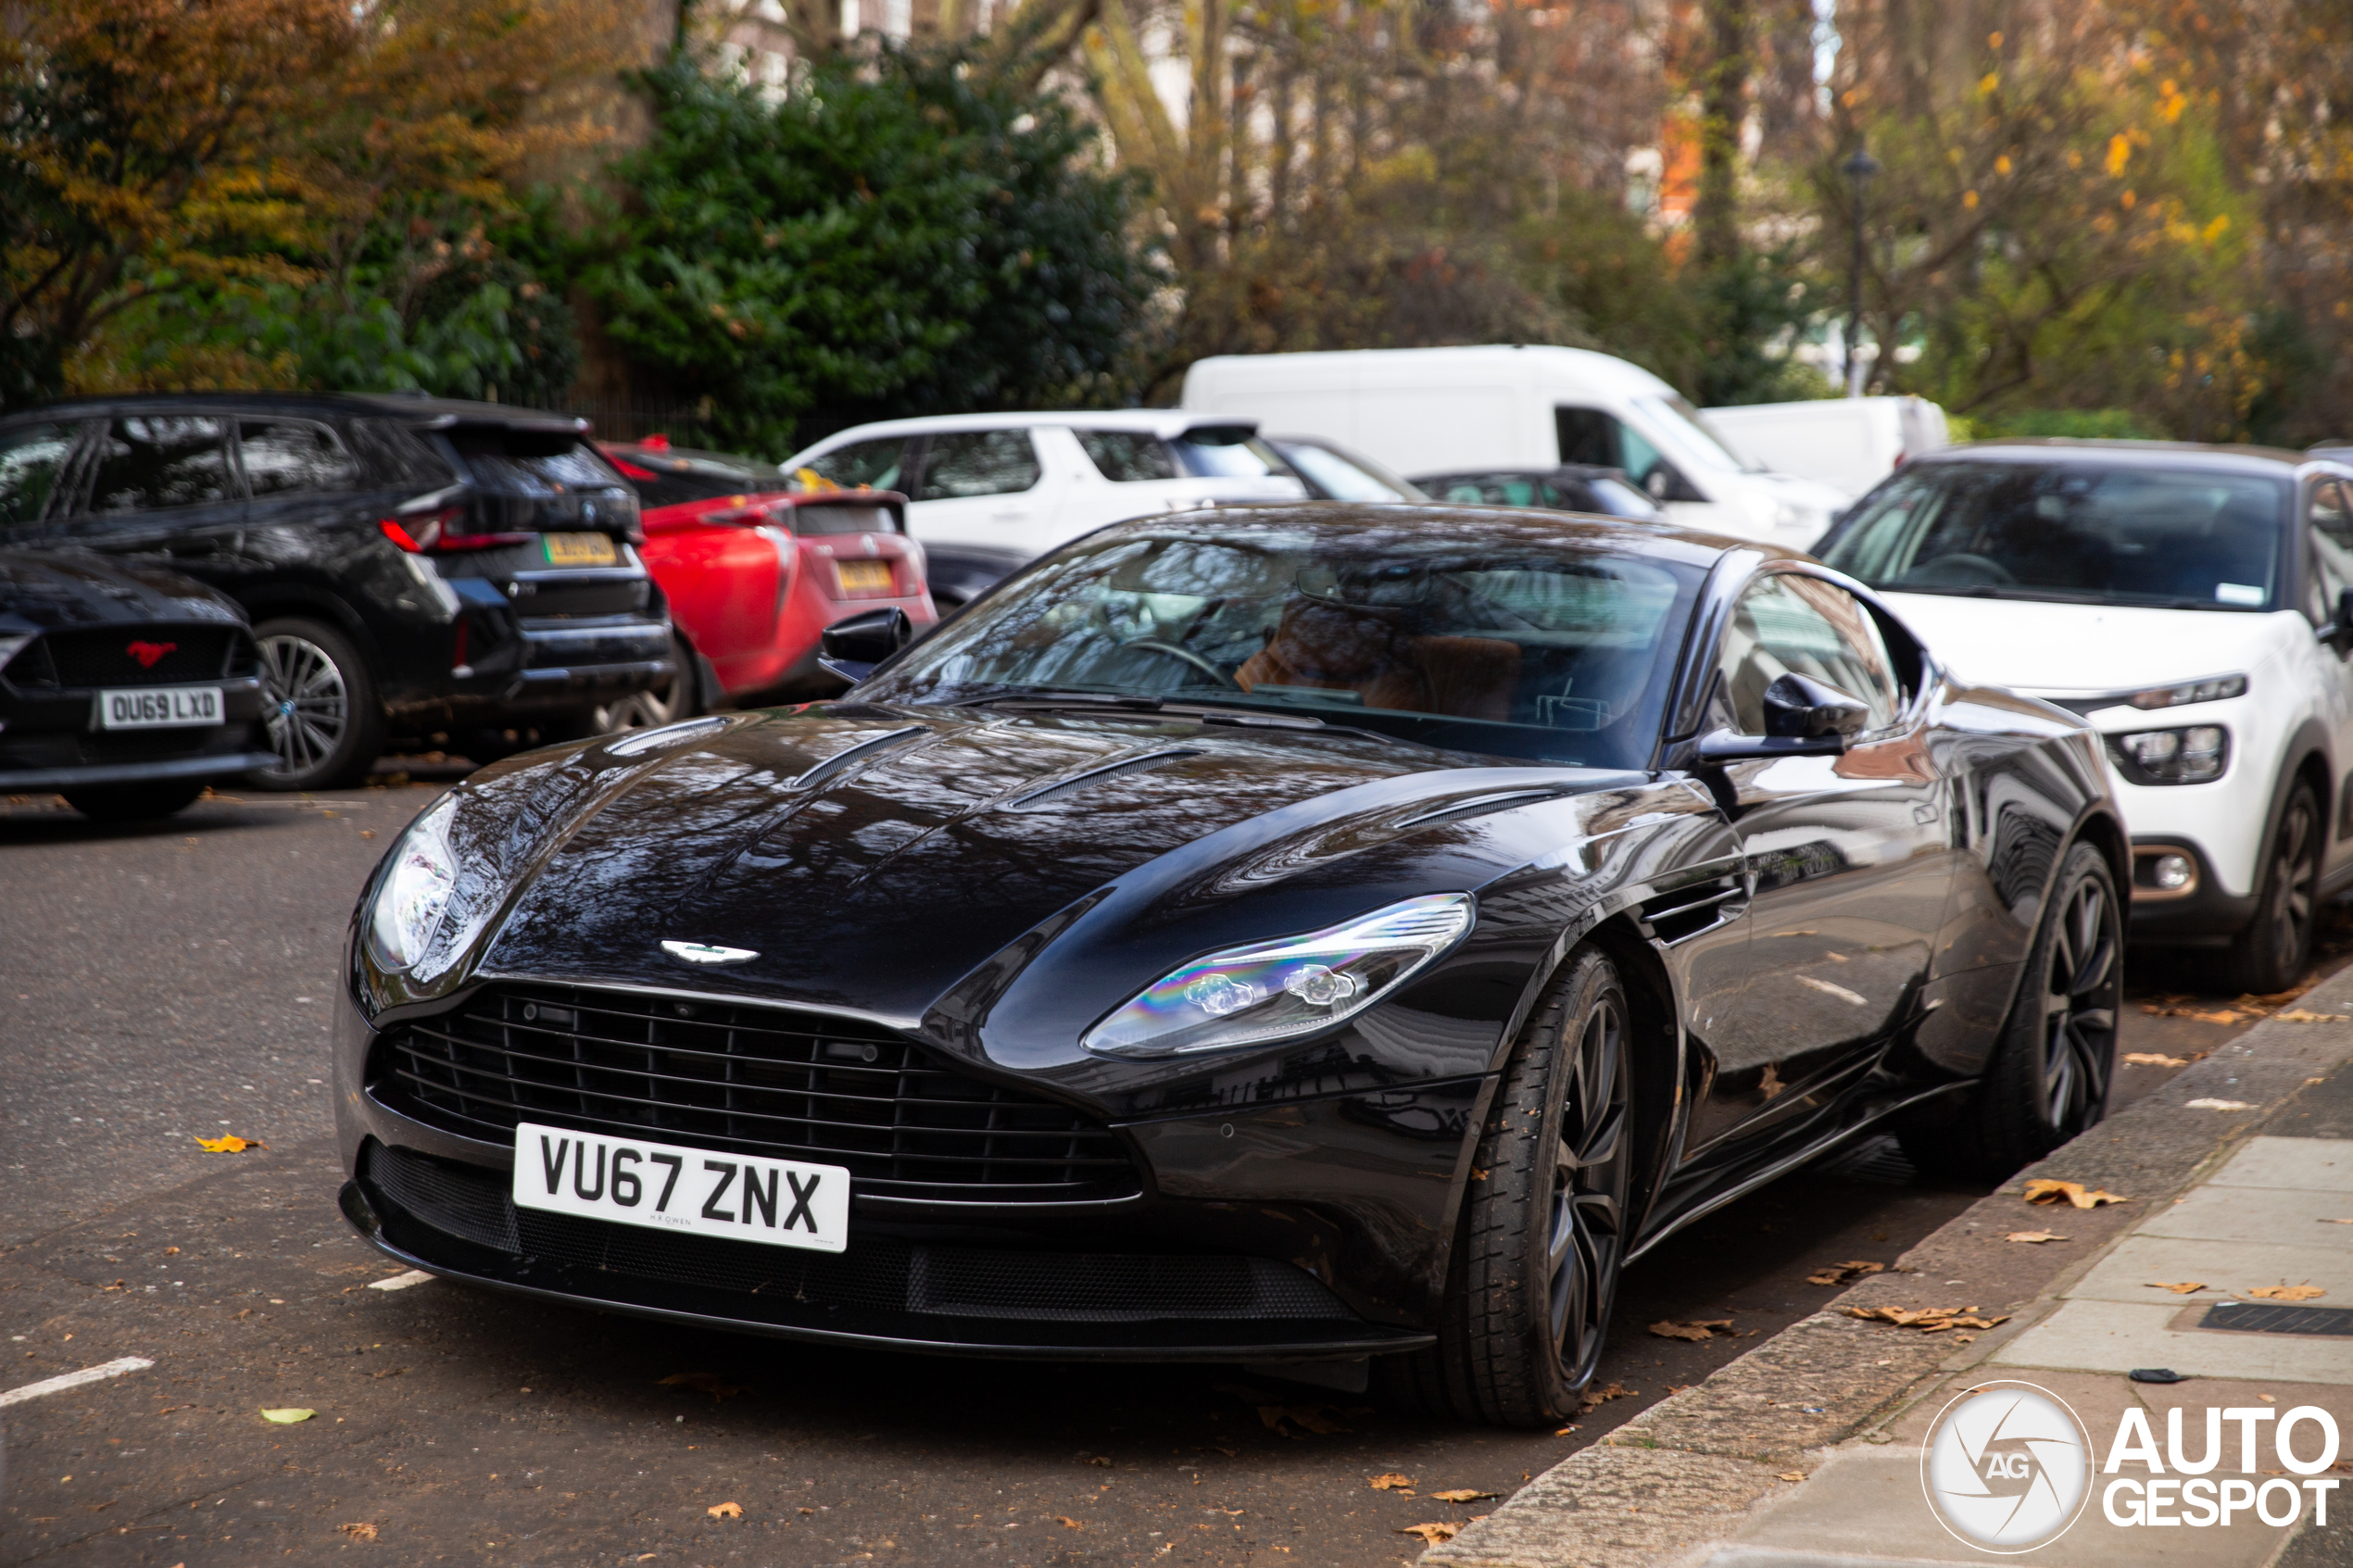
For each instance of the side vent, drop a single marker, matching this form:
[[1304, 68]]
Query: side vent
[[1687, 909], [1092, 777]]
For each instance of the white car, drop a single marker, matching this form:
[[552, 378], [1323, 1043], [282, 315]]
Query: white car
[[988, 493], [2196, 604]]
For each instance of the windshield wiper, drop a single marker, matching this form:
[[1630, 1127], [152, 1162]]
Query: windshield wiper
[[1175, 706]]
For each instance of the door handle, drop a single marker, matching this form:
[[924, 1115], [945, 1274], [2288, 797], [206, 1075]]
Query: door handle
[[1926, 812]]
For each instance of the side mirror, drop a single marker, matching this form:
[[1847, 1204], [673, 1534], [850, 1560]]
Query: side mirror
[[1803, 718], [1665, 481], [2342, 625], [851, 648]]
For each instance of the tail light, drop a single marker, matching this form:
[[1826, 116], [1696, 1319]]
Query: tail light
[[442, 532]]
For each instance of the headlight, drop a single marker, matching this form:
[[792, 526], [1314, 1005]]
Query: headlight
[[2195, 755], [415, 891], [1248, 995], [2214, 690]]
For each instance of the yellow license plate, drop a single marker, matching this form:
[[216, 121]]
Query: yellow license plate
[[579, 549], [859, 576]]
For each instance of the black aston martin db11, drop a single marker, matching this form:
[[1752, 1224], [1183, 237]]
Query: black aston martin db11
[[1298, 934]]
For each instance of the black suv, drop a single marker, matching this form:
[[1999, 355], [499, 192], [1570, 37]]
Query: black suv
[[412, 566]]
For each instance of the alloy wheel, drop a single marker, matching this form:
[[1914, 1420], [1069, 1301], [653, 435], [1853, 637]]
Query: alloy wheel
[[2079, 1009], [2294, 871], [641, 711], [1589, 1190], [305, 705]]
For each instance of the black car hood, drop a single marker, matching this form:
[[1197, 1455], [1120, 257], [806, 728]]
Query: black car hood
[[50, 590], [872, 857]]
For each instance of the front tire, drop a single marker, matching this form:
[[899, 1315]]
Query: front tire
[[2272, 953], [134, 803], [2051, 1065], [319, 706], [1544, 1232]]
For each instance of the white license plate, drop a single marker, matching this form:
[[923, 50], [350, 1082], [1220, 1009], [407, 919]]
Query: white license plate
[[158, 708], [670, 1187]]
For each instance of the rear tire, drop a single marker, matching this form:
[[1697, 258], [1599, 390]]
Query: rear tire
[[133, 802], [2272, 953], [2056, 1057], [1542, 1243], [319, 706]]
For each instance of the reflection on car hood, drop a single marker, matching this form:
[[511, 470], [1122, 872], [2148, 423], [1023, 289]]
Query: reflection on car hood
[[2065, 649], [872, 856], [50, 590]]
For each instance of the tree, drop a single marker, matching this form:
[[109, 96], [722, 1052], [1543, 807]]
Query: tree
[[901, 236]]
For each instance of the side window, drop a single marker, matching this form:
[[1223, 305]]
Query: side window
[[872, 465], [1126, 456], [2331, 542], [285, 457], [151, 464], [1787, 624], [1589, 435], [977, 462], [31, 459]]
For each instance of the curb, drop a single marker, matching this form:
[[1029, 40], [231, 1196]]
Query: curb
[[1696, 1467]]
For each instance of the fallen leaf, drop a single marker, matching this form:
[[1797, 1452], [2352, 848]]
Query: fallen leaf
[[702, 1383], [1691, 1331], [2179, 1287], [1461, 1494], [287, 1417], [1309, 1418], [1839, 1273], [725, 1511], [1103, 1460], [1390, 1483], [2046, 1191], [1067, 1522], [2343, 1222], [2299, 1015], [2204, 1104], [229, 1143], [1793, 1475], [358, 1530], [2153, 1059], [2036, 1236], [1433, 1534], [1596, 1398], [2288, 1292], [1927, 1319]]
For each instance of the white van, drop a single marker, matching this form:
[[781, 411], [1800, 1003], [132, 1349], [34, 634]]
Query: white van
[[1849, 444], [1428, 410]]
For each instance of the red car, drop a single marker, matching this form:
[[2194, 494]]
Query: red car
[[754, 572]]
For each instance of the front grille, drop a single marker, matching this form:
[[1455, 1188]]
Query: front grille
[[770, 1081], [879, 1273], [131, 656]]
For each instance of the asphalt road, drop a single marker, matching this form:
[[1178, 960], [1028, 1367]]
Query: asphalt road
[[170, 983]]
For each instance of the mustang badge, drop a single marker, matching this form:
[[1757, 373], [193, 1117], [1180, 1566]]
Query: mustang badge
[[147, 652], [703, 952]]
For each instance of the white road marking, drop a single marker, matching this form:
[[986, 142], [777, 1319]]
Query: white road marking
[[98, 1374], [401, 1282]]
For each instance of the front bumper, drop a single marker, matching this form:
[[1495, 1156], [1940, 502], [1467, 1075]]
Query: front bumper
[[47, 741], [1306, 1231], [2200, 914]]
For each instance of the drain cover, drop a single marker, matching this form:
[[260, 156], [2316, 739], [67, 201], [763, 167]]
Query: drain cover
[[2249, 1317]]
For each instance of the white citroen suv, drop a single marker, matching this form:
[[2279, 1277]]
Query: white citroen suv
[[987, 492], [2196, 604]]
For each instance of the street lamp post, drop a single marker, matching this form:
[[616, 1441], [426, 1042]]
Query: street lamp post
[[1858, 170]]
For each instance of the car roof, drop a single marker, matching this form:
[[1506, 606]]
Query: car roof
[[2184, 455], [1165, 423], [1474, 522], [1531, 471], [432, 413]]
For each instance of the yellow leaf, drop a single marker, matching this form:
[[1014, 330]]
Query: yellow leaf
[[1691, 1331], [725, 1511], [2034, 1236], [359, 1531], [2287, 1292], [1969, 200], [1987, 82], [229, 1143], [2002, 164], [1793, 1475], [1461, 1494], [1433, 1534], [287, 1417], [2120, 153], [1390, 1483], [2294, 1016], [2179, 1287], [1067, 1522], [2153, 1059], [2046, 1191]]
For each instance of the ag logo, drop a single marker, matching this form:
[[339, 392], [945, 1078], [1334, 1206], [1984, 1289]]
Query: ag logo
[[2007, 1467]]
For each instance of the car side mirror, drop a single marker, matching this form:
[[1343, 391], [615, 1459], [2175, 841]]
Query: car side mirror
[[1803, 718], [2341, 627], [1665, 481], [851, 648]]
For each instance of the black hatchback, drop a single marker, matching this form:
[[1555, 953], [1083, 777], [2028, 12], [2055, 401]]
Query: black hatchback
[[412, 566]]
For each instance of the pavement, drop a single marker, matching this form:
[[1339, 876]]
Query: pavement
[[1807, 1451]]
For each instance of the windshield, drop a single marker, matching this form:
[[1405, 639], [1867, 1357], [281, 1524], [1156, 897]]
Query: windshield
[[2071, 532], [1227, 452], [1542, 641], [1344, 479], [1715, 450]]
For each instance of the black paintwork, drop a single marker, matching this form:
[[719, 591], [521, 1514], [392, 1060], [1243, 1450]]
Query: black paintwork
[[49, 737], [473, 636], [989, 882]]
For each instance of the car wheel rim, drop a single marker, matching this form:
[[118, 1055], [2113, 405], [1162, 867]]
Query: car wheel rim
[[2295, 871], [1588, 1191], [640, 711], [2078, 1007], [306, 708]]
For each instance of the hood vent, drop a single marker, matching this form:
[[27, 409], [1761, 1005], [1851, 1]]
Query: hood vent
[[850, 756], [1052, 792]]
